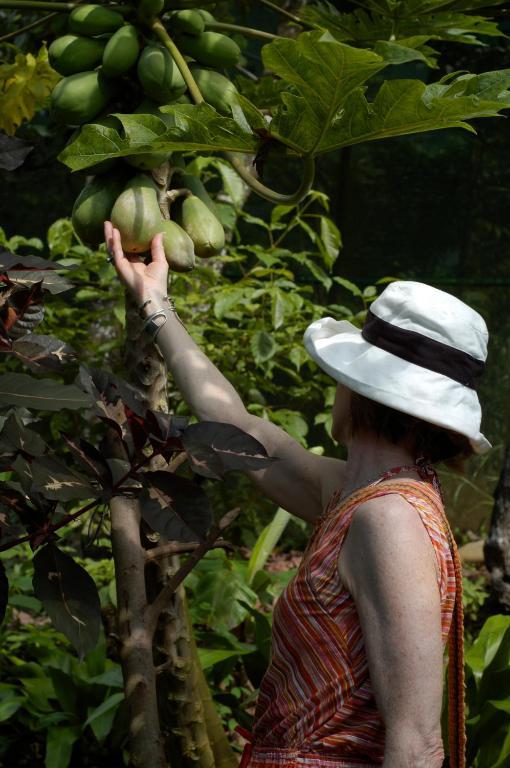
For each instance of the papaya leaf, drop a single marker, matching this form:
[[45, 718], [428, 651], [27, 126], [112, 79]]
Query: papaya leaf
[[13, 152], [215, 448], [69, 596], [330, 109], [25, 87], [197, 127], [41, 351], [42, 394], [55, 480], [175, 507], [4, 591]]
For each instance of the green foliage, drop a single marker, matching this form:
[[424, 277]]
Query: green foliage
[[47, 692]]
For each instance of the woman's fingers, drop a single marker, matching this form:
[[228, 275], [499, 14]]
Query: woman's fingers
[[157, 250]]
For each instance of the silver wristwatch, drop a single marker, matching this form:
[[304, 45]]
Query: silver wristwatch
[[152, 324]]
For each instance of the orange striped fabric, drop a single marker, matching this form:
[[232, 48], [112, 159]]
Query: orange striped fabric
[[315, 705]]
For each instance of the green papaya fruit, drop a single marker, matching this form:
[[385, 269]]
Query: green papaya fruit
[[217, 90], [147, 9], [195, 185], [158, 75], [178, 246], [93, 207], [121, 51], [73, 53], [77, 99], [136, 214], [94, 20], [189, 21], [206, 15], [202, 226], [210, 48]]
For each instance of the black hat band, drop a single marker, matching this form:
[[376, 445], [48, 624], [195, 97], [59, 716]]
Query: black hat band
[[422, 351]]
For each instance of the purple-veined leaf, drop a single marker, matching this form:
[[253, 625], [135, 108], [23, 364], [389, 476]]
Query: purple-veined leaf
[[4, 591], [38, 350], [13, 152], [89, 457], [16, 436], [42, 394], [69, 596], [55, 480], [215, 448], [15, 260], [175, 507]]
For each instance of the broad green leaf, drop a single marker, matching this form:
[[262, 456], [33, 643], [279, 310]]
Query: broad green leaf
[[10, 702], [42, 394], [59, 745], [101, 718], [211, 656], [292, 422], [197, 127], [263, 346], [25, 87], [323, 72], [330, 240], [266, 542], [329, 108]]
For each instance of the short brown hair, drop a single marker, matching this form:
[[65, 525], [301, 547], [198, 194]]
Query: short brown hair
[[435, 443]]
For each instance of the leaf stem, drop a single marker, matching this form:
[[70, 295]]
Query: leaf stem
[[27, 27], [270, 194], [220, 26], [160, 32], [283, 12]]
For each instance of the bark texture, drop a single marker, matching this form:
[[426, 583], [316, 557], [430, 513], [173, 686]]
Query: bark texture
[[497, 546]]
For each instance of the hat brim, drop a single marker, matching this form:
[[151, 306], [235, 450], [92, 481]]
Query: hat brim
[[338, 347]]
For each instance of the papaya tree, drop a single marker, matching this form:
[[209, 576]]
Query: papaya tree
[[141, 92]]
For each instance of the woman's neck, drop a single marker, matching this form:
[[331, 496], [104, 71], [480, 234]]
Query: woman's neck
[[369, 457]]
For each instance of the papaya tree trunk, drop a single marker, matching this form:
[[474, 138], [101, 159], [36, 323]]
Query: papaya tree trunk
[[191, 733]]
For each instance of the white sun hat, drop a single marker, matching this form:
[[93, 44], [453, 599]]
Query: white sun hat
[[420, 351]]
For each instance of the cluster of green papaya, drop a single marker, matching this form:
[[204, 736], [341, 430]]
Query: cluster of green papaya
[[99, 50], [132, 204]]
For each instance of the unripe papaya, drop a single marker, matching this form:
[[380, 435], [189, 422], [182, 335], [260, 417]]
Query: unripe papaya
[[189, 21], [217, 90], [79, 98], [73, 53], [178, 247], [206, 15], [147, 9], [94, 20], [195, 185], [136, 214], [202, 226], [158, 75], [211, 48], [93, 206], [121, 51]]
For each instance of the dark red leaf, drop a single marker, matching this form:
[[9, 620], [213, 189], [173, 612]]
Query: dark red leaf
[[175, 507], [4, 591]]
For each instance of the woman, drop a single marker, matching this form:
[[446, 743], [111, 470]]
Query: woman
[[356, 674]]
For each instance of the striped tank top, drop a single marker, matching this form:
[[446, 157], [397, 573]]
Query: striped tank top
[[315, 705]]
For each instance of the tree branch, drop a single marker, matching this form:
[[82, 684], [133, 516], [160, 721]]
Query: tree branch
[[154, 610], [177, 547]]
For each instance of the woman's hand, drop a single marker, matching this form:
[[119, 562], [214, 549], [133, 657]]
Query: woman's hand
[[143, 280]]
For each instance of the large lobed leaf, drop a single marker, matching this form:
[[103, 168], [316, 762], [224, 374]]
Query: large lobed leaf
[[341, 115], [198, 128]]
